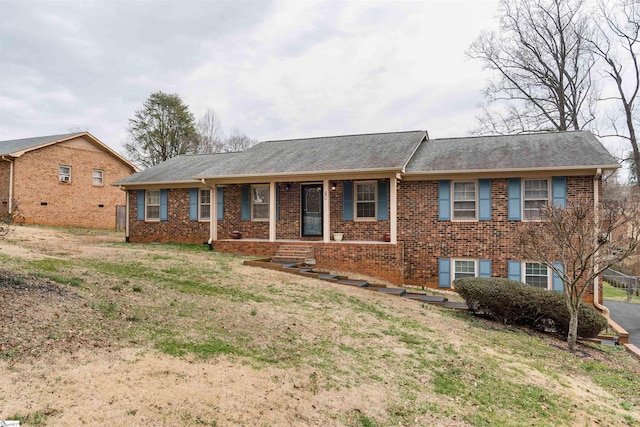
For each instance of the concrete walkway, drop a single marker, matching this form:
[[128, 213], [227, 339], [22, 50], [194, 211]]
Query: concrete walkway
[[626, 315]]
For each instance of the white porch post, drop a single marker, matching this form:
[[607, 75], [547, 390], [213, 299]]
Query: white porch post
[[213, 217], [326, 214], [393, 204], [272, 211]]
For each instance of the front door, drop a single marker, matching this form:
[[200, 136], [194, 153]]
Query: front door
[[312, 210]]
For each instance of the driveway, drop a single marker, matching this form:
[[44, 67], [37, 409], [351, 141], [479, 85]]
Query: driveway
[[626, 315]]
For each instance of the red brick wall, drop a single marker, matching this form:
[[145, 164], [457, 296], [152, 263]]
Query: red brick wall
[[42, 199], [354, 230]]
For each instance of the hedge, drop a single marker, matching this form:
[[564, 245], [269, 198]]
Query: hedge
[[513, 302]]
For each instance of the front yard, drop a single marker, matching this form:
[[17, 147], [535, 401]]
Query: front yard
[[98, 332]]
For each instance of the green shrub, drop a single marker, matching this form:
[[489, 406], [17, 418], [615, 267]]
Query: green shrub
[[513, 302]]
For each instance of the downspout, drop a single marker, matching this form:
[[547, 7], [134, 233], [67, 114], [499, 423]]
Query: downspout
[[10, 183], [596, 205]]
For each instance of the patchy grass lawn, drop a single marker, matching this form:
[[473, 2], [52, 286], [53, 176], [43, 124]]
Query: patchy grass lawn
[[98, 332], [618, 294]]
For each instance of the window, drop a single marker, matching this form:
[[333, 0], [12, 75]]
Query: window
[[366, 201], [97, 177], [205, 204], [260, 203], [536, 275], [464, 200], [464, 268], [64, 174], [536, 196], [153, 205]]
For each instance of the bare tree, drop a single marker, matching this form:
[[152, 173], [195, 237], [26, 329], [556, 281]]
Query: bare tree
[[617, 43], [210, 133], [238, 141], [585, 240], [542, 68]]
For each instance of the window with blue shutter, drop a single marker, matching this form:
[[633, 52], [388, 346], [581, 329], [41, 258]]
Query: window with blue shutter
[[193, 204], [245, 214], [444, 273], [514, 270], [347, 201], [484, 199], [383, 200], [513, 194], [164, 204], [220, 203], [444, 200], [140, 205], [556, 281], [484, 265], [559, 191]]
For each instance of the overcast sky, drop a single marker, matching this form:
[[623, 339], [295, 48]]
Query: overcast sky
[[272, 69]]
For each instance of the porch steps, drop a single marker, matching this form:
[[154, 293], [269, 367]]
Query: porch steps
[[356, 283], [296, 254]]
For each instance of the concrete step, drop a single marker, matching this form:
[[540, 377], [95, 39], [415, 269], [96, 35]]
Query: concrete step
[[393, 291], [456, 305], [356, 283], [326, 276], [431, 299]]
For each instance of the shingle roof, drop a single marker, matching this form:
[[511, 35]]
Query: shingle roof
[[381, 151], [178, 169], [16, 145], [551, 150]]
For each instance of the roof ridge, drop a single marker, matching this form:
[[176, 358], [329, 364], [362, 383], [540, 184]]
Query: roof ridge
[[342, 136], [542, 132], [46, 136]]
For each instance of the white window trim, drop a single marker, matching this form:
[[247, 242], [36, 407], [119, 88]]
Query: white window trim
[[453, 267], [453, 212], [548, 179], [252, 204], [64, 177], [200, 204], [146, 206], [523, 278], [355, 201], [101, 178]]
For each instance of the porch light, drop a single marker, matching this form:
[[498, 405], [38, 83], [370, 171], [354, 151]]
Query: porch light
[[333, 186], [286, 186]]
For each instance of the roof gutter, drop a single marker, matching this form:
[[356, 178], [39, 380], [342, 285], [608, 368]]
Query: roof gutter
[[303, 173], [596, 205], [10, 183], [515, 170]]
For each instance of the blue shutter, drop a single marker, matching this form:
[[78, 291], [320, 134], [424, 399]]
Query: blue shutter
[[556, 281], [444, 273], [444, 200], [220, 203], [347, 201], [140, 205], [484, 199], [164, 208], [559, 191], [513, 270], [277, 201], [485, 268], [514, 199], [245, 214], [383, 200], [193, 204]]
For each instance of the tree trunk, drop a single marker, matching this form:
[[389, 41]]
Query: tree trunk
[[572, 336]]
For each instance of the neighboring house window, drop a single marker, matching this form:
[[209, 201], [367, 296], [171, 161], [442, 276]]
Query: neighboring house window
[[153, 205], [536, 196], [464, 200], [64, 174], [97, 177], [536, 274], [205, 204], [366, 200], [464, 268], [260, 203]]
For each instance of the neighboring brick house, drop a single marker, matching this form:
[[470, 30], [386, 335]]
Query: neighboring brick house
[[412, 210], [62, 180]]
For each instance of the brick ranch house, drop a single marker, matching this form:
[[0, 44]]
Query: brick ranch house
[[62, 180], [412, 210]]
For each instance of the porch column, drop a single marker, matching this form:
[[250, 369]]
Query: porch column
[[272, 211], [213, 216], [393, 208], [326, 214]]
